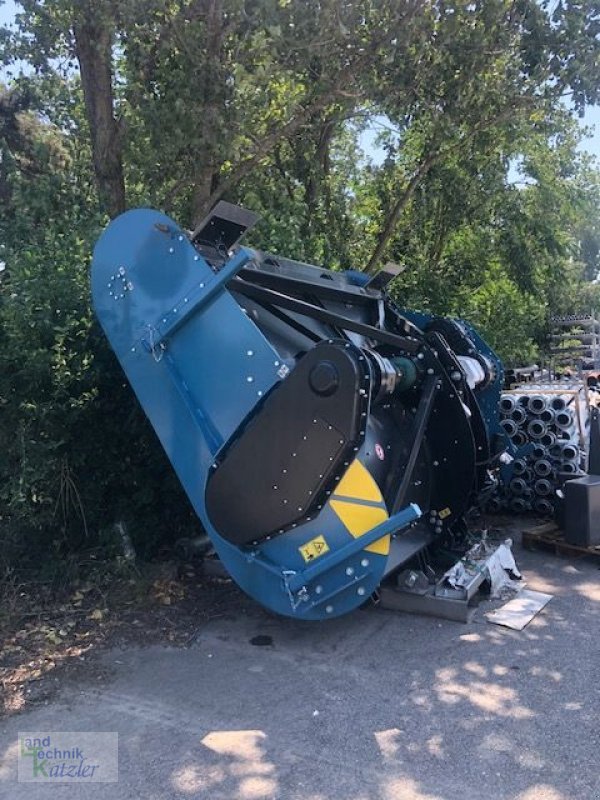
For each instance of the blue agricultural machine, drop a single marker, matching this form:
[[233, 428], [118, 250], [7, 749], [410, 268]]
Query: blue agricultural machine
[[323, 434]]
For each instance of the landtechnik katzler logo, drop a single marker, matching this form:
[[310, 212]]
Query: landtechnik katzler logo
[[68, 756]]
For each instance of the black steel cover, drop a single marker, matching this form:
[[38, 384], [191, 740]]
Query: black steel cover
[[279, 465]]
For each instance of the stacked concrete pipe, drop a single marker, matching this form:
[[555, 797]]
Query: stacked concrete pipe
[[546, 428]]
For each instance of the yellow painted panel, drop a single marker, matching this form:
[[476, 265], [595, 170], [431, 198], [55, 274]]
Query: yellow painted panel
[[358, 483], [359, 519]]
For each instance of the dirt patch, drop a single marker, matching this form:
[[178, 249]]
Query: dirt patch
[[47, 637]]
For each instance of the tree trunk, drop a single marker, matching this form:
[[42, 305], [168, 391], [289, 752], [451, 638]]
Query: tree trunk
[[212, 99], [93, 29], [395, 213]]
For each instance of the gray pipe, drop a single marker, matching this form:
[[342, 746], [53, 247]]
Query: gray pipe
[[563, 420], [519, 466], [519, 415], [543, 487], [543, 506], [543, 468], [558, 403], [548, 439], [570, 452], [556, 450], [547, 415], [507, 404], [536, 429], [568, 468], [517, 485], [519, 439], [537, 403], [509, 426], [539, 450]]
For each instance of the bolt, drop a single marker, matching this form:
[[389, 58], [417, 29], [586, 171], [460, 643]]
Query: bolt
[[364, 562], [360, 591], [329, 609], [250, 379], [171, 249], [318, 589], [349, 571], [250, 353]]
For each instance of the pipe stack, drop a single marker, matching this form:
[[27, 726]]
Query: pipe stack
[[545, 427]]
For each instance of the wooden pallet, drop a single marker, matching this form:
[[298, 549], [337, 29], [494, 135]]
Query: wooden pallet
[[550, 537]]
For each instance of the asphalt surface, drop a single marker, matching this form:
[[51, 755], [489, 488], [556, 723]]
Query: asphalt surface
[[374, 706]]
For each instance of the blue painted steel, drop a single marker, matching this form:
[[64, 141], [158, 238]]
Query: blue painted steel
[[200, 367], [390, 526]]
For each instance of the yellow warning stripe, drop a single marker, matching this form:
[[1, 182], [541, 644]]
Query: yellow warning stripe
[[356, 486], [359, 484]]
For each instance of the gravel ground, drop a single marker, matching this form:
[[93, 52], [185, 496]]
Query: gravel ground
[[374, 706]]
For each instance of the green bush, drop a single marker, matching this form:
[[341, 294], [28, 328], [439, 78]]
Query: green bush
[[78, 453]]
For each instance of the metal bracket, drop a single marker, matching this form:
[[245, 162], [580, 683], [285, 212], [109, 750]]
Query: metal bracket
[[197, 299]]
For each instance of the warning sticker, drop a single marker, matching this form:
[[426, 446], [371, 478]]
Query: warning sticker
[[445, 512], [313, 549]]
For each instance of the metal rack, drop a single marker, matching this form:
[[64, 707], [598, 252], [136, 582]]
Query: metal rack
[[575, 342]]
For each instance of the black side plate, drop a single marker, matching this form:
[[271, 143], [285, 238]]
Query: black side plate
[[278, 467]]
